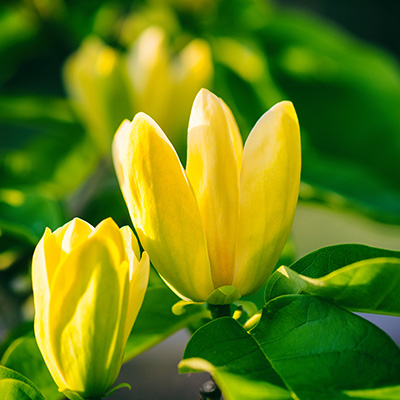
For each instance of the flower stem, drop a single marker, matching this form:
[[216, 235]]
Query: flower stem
[[219, 310]]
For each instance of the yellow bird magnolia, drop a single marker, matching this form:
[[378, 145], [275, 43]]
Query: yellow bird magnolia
[[95, 81], [164, 86], [105, 85], [88, 287], [215, 231]]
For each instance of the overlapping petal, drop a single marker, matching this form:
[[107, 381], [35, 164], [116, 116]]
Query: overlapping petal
[[89, 303], [162, 205], [138, 277], [219, 237], [213, 173], [269, 185]]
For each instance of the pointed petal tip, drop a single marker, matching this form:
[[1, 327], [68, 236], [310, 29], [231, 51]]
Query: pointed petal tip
[[123, 125], [204, 95], [142, 118], [286, 107], [130, 240], [107, 225]]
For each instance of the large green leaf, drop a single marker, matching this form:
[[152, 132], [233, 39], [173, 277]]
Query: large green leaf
[[370, 286], [328, 259], [156, 321], [225, 350], [322, 351], [24, 356], [14, 386]]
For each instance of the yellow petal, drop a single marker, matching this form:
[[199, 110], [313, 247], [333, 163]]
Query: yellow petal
[[73, 234], [139, 272], [235, 134], [213, 173], [131, 244], [109, 229], [269, 185], [88, 347], [93, 80], [162, 206], [137, 290], [45, 260], [149, 72], [193, 69]]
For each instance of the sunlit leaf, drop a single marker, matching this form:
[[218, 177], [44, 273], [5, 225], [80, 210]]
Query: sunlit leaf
[[14, 386], [24, 356], [235, 360], [322, 351], [370, 286]]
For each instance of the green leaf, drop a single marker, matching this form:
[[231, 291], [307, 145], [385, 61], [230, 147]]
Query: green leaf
[[322, 351], [24, 356], [156, 321], [328, 259], [320, 263], [235, 360], [14, 386], [386, 393], [370, 286]]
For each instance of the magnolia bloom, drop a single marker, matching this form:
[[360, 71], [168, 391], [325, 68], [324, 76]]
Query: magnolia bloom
[[215, 231], [95, 81], [88, 287], [105, 85], [164, 86]]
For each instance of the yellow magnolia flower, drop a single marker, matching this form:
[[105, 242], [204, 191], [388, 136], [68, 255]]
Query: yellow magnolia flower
[[105, 85], [88, 287], [164, 86], [95, 81], [215, 231]]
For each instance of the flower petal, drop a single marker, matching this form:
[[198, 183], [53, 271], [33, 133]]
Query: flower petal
[[192, 70], [269, 185], [162, 206], [139, 272], [45, 260], [87, 347], [150, 75], [109, 229], [130, 243], [73, 234], [235, 134], [213, 173]]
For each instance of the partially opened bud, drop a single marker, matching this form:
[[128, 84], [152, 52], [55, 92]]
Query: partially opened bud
[[164, 86], [215, 231], [94, 79], [88, 286]]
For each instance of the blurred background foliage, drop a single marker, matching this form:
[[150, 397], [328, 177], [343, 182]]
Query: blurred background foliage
[[71, 71]]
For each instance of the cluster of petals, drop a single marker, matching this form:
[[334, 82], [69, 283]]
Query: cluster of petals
[[88, 285], [214, 230]]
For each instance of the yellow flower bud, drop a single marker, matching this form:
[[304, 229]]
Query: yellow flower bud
[[215, 231], [94, 79], [88, 287], [164, 86]]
